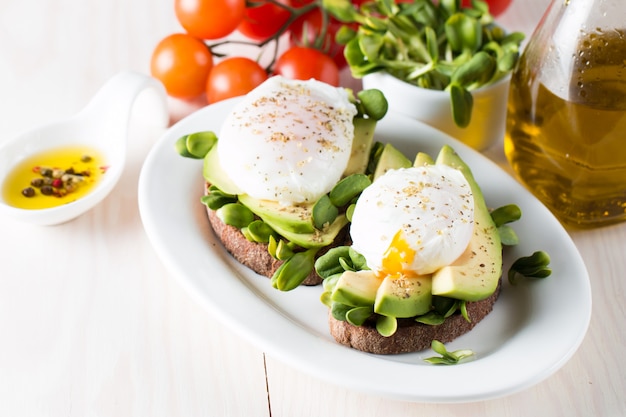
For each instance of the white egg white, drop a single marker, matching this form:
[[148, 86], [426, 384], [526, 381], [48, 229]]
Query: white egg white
[[288, 141], [433, 206]]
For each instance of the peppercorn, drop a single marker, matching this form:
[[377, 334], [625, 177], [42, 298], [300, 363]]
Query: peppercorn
[[45, 172], [47, 190], [37, 182], [85, 158], [28, 192]]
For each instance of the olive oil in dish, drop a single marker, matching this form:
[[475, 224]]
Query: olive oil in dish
[[53, 178]]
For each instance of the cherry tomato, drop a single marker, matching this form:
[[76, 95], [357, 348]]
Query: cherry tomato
[[210, 19], [302, 63], [262, 21], [359, 3], [307, 29], [233, 77], [496, 7], [182, 63]]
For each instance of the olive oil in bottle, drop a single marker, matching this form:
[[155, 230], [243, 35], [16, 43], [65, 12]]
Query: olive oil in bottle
[[566, 124]]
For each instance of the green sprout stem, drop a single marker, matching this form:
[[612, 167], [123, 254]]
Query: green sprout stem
[[447, 358]]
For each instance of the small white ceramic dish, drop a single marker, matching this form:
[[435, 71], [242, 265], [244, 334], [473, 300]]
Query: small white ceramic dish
[[101, 125], [534, 329], [433, 107]]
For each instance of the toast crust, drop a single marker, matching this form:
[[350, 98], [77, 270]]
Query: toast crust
[[410, 336]]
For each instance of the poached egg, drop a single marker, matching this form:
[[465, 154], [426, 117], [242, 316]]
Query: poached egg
[[413, 221], [288, 141]]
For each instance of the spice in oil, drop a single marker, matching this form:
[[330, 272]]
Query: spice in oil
[[53, 178]]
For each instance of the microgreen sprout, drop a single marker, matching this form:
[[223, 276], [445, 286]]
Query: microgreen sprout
[[433, 45], [291, 273], [447, 358], [195, 145], [326, 209], [533, 266], [339, 259], [501, 217]]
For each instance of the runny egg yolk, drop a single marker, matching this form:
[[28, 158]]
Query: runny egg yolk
[[398, 254]]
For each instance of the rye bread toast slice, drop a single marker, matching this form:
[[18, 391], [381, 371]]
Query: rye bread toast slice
[[410, 336]]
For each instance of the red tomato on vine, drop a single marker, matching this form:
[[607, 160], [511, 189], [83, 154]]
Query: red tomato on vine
[[307, 30], [233, 77], [302, 63], [263, 19], [182, 63], [496, 7], [210, 19]]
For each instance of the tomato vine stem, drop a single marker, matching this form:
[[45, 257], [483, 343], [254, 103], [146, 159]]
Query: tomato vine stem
[[294, 14]]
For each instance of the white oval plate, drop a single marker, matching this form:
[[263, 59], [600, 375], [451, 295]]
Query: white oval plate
[[535, 327]]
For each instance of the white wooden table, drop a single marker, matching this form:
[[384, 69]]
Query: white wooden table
[[91, 324]]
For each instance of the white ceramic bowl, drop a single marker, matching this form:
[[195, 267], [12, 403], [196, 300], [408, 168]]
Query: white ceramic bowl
[[433, 107], [102, 125]]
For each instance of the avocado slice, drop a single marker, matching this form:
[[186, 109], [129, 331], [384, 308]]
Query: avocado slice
[[475, 274], [390, 158], [361, 146], [294, 218], [422, 159], [214, 173], [316, 239], [356, 289], [402, 296]]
